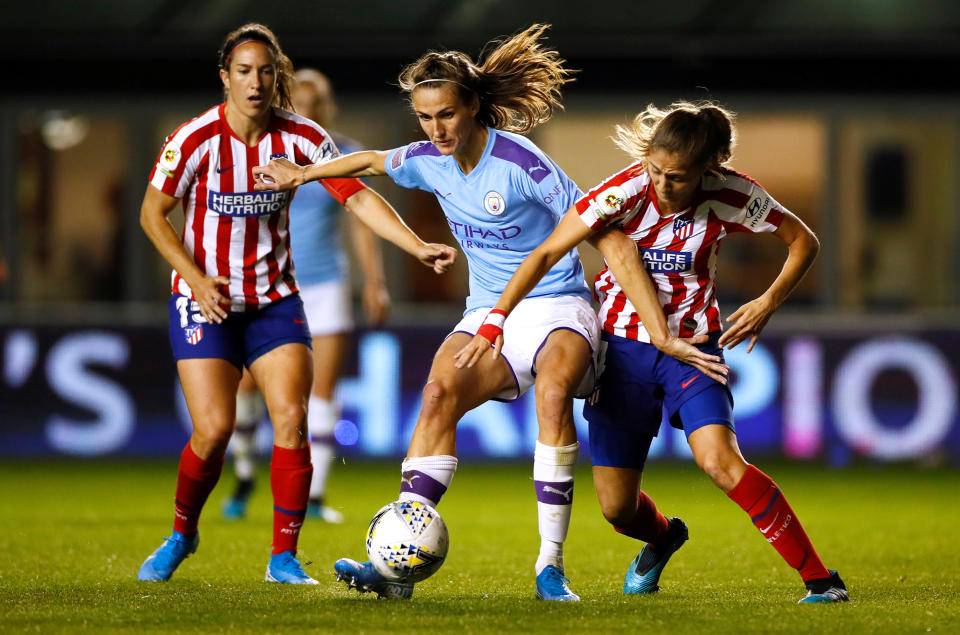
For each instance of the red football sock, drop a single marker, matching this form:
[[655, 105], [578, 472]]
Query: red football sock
[[760, 497], [648, 524], [290, 473], [195, 480]]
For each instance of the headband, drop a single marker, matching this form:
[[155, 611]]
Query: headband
[[451, 81], [226, 61]]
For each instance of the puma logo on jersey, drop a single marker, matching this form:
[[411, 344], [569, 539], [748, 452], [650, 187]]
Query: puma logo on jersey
[[408, 480], [538, 166], [553, 490]]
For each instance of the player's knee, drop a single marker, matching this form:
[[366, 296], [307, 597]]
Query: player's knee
[[553, 395], [212, 437], [618, 512], [720, 469], [438, 396]]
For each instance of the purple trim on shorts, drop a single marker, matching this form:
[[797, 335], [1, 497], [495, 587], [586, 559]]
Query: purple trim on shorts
[[421, 484], [516, 382], [554, 492], [533, 368]]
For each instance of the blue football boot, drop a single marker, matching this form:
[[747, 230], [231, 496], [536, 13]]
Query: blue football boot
[[316, 509], [235, 507], [285, 568], [364, 577], [826, 590], [160, 565], [552, 585], [643, 575]]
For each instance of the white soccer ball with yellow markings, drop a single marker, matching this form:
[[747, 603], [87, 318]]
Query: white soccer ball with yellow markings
[[407, 541]]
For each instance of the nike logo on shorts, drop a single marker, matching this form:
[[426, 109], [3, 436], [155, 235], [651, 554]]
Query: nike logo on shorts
[[298, 321], [689, 381]]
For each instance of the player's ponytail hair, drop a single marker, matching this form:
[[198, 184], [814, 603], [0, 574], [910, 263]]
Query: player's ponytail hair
[[517, 84], [261, 33], [702, 131]]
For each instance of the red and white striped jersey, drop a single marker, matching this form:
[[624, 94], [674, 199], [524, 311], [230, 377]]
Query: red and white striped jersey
[[230, 229], [679, 250]]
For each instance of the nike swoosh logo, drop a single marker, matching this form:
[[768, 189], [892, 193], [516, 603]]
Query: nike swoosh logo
[[220, 170], [298, 321], [764, 531], [689, 381]]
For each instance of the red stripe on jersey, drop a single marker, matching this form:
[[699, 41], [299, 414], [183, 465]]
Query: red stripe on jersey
[[276, 145], [199, 214], [730, 197], [308, 132], [616, 308], [227, 172], [251, 238], [273, 223], [187, 148]]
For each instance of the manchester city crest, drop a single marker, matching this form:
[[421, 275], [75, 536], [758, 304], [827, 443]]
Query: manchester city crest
[[493, 203]]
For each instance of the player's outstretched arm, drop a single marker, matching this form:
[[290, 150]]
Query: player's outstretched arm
[[750, 319], [154, 211], [621, 255], [570, 232], [376, 298], [379, 216], [283, 174]]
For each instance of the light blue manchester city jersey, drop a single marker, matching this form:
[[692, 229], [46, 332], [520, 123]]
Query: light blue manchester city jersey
[[315, 229], [507, 206]]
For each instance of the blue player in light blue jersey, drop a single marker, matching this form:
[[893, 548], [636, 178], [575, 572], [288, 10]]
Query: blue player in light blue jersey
[[502, 196], [324, 281]]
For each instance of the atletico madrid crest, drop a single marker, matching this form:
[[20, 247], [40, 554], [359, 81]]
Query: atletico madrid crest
[[193, 334], [683, 228]]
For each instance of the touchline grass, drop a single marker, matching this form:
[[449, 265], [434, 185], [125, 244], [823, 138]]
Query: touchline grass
[[73, 534]]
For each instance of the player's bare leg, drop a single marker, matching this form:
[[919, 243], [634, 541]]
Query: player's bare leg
[[449, 393], [284, 375], [431, 457], [716, 451], [633, 513], [209, 386], [561, 365]]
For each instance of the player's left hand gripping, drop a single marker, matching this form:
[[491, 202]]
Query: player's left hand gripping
[[279, 174], [710, 365], [489, 334], [438, 257]]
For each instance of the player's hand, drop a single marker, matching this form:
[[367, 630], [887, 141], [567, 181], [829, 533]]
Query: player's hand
[[209, 297], [683, 350], [470, 354], [376, 303], [437, 256], [489, 334], [747, 321], [279, 174]]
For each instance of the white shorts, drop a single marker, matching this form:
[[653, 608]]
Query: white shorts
[[526, 331], [327, 305]]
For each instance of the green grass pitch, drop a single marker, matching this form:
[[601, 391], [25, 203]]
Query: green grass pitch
[[73, 534]]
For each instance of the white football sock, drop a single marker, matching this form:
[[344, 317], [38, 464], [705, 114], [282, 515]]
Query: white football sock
[[426, 478], [322, 417], [250, 409], [553, 470]]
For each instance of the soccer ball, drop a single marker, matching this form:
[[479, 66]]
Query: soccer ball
[[407, 541]]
